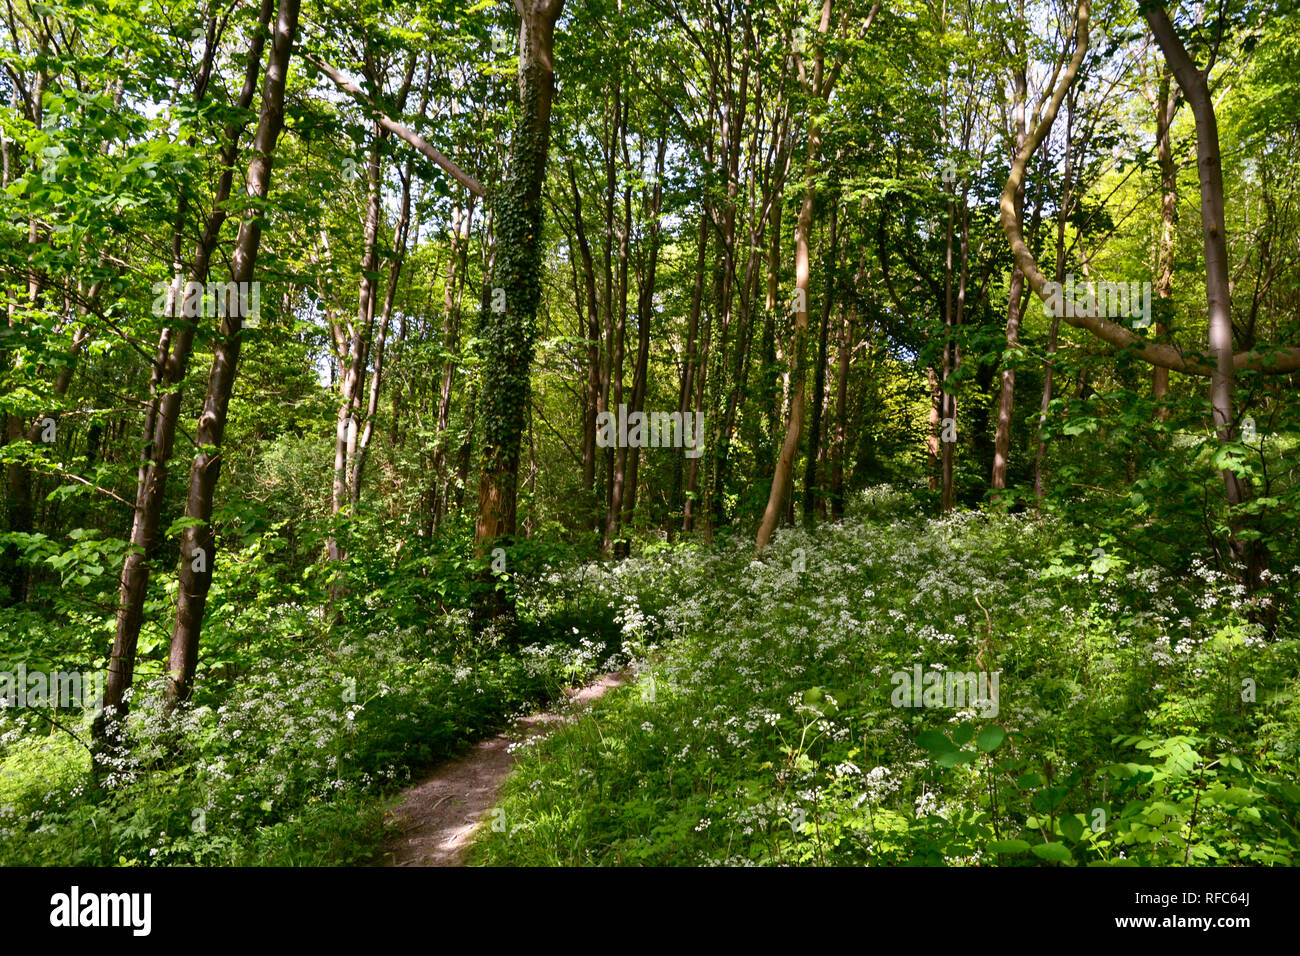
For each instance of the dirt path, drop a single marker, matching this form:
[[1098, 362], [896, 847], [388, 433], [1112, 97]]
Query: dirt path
[[437, 817]]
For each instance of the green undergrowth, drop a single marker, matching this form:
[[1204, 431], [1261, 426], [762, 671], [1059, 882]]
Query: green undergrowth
[[292, 764], [1141, 716]]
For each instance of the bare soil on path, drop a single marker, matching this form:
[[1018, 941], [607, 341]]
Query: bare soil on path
[[436, 818]]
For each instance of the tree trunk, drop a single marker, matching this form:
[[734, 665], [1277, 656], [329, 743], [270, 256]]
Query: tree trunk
[[794, 423], [192, 595], [163, 412], [690, 363], [936, 415], [510, 336], [452, 296], [1006, 396], [810, 489], [592, 399], [353, 362], [645, 312], [1166, 108], [1209, 166], [394, 273], [818, 87], [381, 335], [618, 478], [844, 358]]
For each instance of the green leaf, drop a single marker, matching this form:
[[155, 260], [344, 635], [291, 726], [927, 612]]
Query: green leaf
[[990, 738], [1009, 846], [935, 741], [1052, 853], [952, 758], [183, 522], [1238, 796], [1071, 827]]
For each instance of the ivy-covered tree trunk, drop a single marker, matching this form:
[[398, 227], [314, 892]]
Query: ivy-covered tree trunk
[[509, 324]]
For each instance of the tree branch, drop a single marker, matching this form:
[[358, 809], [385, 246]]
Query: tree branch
[[393, 126], [1269, 360]]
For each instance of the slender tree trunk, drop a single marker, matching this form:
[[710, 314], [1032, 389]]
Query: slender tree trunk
[[1166, 108], [844, 359], [947, 399], [815, 446], [592, 398], [381, 335], [618, 479], [645, 313], [197, 537], [936, 416], [163, 412], [353, 362], [771, 383], [367, 427], [1064, 208], [794, 424], [452, 297], [690, 363], [1209, 166], [819, 87], [18, 476], [693, 503], [1006, 395]]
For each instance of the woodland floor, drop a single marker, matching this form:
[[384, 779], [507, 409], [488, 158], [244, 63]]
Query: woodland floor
[[437, 818]]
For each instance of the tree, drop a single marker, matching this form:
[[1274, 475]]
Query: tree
[[1222, 370], [817, 85], [510, 333], [175, 346], [198, 551]]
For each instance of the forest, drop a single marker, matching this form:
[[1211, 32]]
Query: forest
[[789, 433]]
